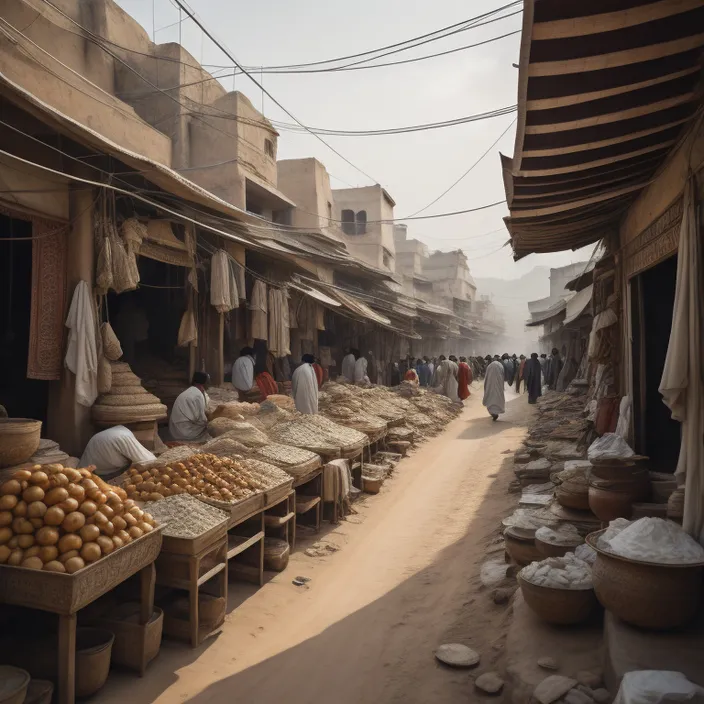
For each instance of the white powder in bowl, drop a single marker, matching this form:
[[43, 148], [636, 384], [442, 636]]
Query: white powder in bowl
[[655, 540], [566, 534], [615, 527], [568, 572]]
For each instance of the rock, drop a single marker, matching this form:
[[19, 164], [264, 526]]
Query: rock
[[553, 688], [589, 678], [548, 663], [521, 458], [489, 682], [457, 655], [540, 465], [574, 696], [514, 487], [502, 596], [601, 696]]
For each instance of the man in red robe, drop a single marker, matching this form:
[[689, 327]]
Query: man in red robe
[[464, 378]]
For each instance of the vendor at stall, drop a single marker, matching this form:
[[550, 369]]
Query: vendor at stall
[[114, 450], [304, 386], [189, 415], [243, 373], [348, 366], [360, 369]]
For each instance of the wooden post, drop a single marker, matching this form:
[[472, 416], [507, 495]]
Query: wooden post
[[220, 371], [67, 659]]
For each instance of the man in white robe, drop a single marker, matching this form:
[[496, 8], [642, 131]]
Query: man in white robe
[[446, 379], [189, 415], [494, 399], [243, 371], [360, 370], [304, 386], [114, 450], [348, 366]]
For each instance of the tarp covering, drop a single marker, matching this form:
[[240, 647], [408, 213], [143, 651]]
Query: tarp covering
[[681, 385], [578, 303]]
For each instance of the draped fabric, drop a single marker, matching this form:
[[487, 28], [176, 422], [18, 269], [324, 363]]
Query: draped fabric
[[464, 379], [266, 384], [82, 350], [259, 307], [46, 331], [304, 388], [279, 331], [681, 386]]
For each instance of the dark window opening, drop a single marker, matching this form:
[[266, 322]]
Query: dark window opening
[[269, 148], [348, 224], [362, 222]]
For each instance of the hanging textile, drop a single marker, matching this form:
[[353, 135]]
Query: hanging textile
[[319, 317], [82, 351], [238, 273], [279, 331], [188, 331], [223, 288], [46, 330], [258, 306], [682, 387]]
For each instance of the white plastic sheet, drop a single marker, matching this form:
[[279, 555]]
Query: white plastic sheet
[[657, 687], [609, 446]]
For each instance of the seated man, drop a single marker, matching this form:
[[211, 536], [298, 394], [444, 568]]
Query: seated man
[[112, 451], [189, 415]]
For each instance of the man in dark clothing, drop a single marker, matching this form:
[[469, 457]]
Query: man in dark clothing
[[509, 369], [532, 375], [554, 368]]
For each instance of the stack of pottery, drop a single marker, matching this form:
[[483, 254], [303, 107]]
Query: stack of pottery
[[127, 401], [573, 490], [520, 544], [614, 487]]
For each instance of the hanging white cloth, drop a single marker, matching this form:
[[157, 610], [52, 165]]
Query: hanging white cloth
[[304, 387], [279, 331], [82, 352], [681, 386], [188, 421], [348, 367], [223, 287], [259, 307], [494, 398], [114, 450]]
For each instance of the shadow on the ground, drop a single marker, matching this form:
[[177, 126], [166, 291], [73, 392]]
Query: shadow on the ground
[[383, 635]]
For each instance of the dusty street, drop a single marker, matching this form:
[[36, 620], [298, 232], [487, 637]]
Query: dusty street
[[405, 579]]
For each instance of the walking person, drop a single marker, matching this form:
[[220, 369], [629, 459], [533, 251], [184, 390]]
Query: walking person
[[304, 386], [554, 368], [464, 379], [533, 374], [520, 372], [494, 398]]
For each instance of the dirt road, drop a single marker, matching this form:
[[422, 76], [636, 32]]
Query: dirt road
[[405, 579]]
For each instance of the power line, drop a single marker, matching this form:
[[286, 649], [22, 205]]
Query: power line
[[227, 53], [468, 171]]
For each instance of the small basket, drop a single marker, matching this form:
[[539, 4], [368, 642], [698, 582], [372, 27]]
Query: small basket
[[15, 683], [93, 653], [19, 440], [111, 345], [561, 607]]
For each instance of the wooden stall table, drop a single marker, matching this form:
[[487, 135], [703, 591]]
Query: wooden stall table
[[66, 594], [252, 525], [309, 495], [281, 516]]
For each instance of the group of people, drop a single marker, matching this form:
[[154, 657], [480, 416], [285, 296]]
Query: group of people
[[448, 376]]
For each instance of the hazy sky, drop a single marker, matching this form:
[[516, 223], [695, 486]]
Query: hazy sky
[[415, 168]]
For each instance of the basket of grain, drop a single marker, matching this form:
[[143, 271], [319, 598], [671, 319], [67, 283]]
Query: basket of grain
[[559, 590], [660, 593]]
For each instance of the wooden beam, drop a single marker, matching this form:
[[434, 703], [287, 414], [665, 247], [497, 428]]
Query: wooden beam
[[589, 146], [627, 57], [595, 120], [610, 21], [598, 162], [576, 98], [539, 212]]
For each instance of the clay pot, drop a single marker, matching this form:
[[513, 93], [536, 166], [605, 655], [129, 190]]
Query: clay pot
[[609, 500], [522, 550]]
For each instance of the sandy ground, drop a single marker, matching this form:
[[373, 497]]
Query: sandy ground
[[405, 580]]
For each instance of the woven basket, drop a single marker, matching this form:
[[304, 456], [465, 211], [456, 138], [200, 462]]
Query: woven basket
[[111, 345], [128, 391], [104, 376], [120, 367], [128, 414], [142, 399], [561, 607], [120, 379]]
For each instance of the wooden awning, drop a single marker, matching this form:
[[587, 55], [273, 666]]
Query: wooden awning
[[606, 89]]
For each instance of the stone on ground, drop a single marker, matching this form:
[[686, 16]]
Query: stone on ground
[[457, 655], [589, 678], [489, 682], [502, 595], [548, 663], [552, 688]]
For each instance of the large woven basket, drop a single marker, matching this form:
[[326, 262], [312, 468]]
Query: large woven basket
[[128, 414], [646, 594], [143, 399], [125, 379], [19, 440], [562, 607]]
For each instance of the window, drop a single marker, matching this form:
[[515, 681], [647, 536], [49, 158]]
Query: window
[[362, 222], [348, 224], [269, 148], [329, 212], [387, 259]]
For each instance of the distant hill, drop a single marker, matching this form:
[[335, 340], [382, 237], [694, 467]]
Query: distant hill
[[511, 296]]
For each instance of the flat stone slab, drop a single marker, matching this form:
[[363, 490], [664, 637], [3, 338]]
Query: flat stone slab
[[489, 682], [553, 688], [457, 655]]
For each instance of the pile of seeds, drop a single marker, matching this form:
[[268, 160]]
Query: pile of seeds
[[184, 516]]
